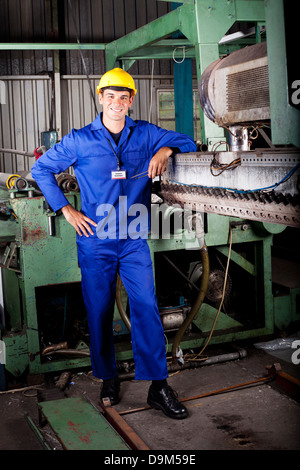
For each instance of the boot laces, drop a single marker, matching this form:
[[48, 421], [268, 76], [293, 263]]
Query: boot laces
[[171, 392]]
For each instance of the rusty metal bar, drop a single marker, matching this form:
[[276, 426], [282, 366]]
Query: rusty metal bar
[[263, 380], [285, 382], [120, 425]]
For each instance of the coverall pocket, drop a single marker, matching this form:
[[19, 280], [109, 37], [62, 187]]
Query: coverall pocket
[[136, 162]]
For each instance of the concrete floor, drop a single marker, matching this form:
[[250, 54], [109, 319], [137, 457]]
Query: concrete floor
[[254, 418]]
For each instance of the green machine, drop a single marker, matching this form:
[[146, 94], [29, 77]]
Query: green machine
[[45, 321]]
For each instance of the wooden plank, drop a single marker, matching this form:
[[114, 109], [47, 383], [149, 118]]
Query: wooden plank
[[79, 426]]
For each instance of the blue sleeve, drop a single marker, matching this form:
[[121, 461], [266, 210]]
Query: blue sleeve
[[56, 160], [162, 138]]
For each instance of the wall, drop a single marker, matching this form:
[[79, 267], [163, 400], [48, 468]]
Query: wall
[[29, 106], [50, 21]]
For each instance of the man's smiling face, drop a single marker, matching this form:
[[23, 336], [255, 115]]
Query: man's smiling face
[[115, 104]]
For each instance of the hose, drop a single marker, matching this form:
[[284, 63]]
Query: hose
[[197, 304], [120, 304]]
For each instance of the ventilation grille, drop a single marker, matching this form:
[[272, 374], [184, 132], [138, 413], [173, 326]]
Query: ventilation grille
[[248, 89]]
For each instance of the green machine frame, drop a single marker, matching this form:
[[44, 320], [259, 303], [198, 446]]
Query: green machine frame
[[45, 260], [50, 261], [197, 26]]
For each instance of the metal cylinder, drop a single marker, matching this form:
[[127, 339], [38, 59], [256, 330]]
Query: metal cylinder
[[21, 184], [172, 319]]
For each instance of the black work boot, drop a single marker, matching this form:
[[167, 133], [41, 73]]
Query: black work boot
[[111, 389], [165, 399]]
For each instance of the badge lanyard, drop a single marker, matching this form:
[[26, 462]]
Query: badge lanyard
[[119, 174]]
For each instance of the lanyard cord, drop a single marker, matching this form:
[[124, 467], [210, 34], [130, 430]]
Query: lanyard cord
[[118, 161]]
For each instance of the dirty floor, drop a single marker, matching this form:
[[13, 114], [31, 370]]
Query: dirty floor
[[252, 418]]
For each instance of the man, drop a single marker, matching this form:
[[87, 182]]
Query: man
[[106, 155]]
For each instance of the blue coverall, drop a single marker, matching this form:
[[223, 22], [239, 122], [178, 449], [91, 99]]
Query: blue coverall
[[93, 154]]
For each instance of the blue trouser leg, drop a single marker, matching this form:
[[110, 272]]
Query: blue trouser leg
[[148, 342], [98, 265], [99, 261]]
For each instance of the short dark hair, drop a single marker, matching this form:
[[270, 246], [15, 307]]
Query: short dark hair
[[117, 88]]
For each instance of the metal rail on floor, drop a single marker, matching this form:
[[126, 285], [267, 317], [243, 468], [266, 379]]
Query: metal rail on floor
[[285, 382], [209, 394]]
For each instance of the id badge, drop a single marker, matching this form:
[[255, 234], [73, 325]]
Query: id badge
[[118, 175]]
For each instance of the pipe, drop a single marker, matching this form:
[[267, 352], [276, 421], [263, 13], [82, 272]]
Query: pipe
[[69, 352], [197, 304], [240, 354], [17, 152], [54, 347]]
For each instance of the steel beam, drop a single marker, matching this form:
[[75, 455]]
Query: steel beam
[[148, 34], [177, 1], [11, 46]]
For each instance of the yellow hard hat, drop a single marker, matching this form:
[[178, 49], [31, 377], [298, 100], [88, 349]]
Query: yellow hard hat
[[116, 77]]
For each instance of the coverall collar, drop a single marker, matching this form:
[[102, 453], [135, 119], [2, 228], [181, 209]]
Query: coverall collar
[[97, 124]]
